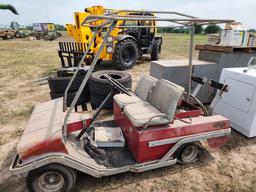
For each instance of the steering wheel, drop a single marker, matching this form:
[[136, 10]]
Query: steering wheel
[[118, 85]]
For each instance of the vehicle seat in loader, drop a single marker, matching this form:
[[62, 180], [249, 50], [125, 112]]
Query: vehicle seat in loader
[[141, 92], [160, 107]]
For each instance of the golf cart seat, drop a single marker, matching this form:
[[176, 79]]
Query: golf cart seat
[[160, 107], [142, 89]]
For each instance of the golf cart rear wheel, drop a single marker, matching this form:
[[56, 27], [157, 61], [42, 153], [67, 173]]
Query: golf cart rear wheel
[[188, 153], [126, 53], [52, 177]]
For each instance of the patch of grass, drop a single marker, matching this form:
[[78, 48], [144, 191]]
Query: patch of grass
[[22, 112], [176, 46], [7, 136], [10, 94], [3, 188], [223, 169], [234, 186], [12, 115], [48, 71]]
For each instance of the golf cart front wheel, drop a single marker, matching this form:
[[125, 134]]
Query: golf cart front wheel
[[53, 177], [188, 153]]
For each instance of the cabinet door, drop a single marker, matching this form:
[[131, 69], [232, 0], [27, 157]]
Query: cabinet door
[[240, 94]]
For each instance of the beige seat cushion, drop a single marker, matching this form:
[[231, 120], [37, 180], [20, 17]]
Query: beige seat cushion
[[144, 86], [122, 99], [140, 113], [142, 90], [165, 96]]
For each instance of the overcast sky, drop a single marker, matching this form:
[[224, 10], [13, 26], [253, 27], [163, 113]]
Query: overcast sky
[[61, 11]]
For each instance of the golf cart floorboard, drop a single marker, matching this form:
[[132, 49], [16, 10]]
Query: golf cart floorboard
[[117, 156]]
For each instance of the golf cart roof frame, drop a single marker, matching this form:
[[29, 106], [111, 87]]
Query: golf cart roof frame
[[110, 20]]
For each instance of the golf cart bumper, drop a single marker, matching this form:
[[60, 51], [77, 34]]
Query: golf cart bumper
[[17, 167]]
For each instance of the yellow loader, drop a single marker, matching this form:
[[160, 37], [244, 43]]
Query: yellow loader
[[125, 45]]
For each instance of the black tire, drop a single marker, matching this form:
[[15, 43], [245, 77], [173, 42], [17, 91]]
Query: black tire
[[58, 34], [17, 35], [100, 86], [59, 84], [83, 99], [188, 153], [38, 37], [156, 50], [126, 54], [52, 177], [96, 101]]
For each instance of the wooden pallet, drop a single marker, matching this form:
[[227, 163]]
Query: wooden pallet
[[85, 107], [225, 49]]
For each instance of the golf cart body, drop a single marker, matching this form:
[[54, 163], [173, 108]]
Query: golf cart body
[[152, 134], [158, 124]]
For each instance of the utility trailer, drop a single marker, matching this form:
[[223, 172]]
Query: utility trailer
[[160, 126]]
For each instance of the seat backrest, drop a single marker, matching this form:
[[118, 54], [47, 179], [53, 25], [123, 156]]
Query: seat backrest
[[144, 85], [165, 96]]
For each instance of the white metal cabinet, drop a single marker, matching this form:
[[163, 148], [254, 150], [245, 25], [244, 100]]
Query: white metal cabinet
[[239, 104]]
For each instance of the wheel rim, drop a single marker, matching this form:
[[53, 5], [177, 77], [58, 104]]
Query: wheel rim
[[51, 181], [128, 55], [189, 154]]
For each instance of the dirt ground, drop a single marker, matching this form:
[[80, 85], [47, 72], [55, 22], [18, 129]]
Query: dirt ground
[[230, 168]]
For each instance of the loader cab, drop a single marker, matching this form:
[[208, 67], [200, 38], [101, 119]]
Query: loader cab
[[145, 35]]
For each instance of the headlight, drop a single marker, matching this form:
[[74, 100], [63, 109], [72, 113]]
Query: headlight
[[109, 49], [110, 39]]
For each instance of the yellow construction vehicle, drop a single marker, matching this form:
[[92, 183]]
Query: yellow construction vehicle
[[127, 44]]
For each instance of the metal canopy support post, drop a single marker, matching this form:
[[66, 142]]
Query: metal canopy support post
[[192, 34], [87, 76], [95, 116], [78, 68]]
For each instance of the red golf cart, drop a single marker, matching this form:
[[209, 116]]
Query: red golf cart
[[159, 124]]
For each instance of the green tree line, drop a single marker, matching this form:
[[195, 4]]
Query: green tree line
[[15, 25], [198, 29]]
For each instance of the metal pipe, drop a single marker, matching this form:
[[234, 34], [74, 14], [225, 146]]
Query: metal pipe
[[141, 26], [95, 116], [80, 63], [76, 72], [87, 76], [191, 48], [150, 18], [156, 12]]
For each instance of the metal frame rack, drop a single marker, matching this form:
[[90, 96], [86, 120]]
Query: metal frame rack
[[110, 21]]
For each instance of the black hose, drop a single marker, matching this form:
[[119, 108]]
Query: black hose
[[205, 111]]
